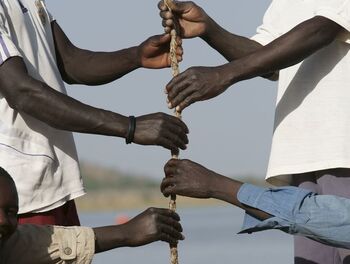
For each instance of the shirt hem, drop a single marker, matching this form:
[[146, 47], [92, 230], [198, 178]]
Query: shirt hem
[[61, 201], [283, 175]]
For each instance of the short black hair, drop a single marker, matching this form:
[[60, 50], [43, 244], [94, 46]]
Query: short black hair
[[5, 174]]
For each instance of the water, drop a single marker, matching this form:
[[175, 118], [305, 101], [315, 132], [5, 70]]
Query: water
[[210, 238]]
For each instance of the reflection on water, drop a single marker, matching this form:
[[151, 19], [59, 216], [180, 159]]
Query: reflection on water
[[210, 238]]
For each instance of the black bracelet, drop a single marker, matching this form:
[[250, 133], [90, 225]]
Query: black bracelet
[[131, 130]]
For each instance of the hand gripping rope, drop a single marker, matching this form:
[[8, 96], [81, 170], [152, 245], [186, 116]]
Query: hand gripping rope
[[175, 71]]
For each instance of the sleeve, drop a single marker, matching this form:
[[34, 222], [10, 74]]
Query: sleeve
[[329, 220], [7, 48], [323, 218], [50, 245], [282, 203], [337, 11], [267, 31]]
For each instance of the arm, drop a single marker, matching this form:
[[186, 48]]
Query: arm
[[150, 226], [35, 98], [79, 66], [293, 210], [186, 178], [195, 22], [203, 83]]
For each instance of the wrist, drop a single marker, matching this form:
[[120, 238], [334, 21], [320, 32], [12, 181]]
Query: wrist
[[225, 188], [135, 57], [211, 28], [228, 74]]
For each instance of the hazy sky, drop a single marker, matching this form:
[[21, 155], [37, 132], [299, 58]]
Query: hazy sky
[[230, 134]]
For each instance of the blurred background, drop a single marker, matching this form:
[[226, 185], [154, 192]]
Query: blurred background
[[230, 134]]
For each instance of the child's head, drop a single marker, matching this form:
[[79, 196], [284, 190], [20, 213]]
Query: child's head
[[8, 206]]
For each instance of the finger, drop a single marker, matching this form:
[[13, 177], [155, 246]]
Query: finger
[[172, 232], [168, 23], [169, 191], [179, 51], [168, 144], [162, 6], [162, 39], [187, 102], [178, 122], [172, 163], [167, 213], [177, 87], [178, 40], [166, 182], [168, 239], [169, 170], [170, 4], [166, 15], [174, 82], [171, 222], [180, 97], [177, 133]]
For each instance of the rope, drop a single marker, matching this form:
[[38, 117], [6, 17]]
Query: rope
[[174, 257]]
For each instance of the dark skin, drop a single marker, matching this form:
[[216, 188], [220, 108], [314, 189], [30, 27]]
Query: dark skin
[[30, 96], [187, 178], [152, 225], [247, 59], [8, 208]]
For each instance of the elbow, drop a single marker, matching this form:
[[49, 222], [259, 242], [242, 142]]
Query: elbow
[[326, 30], [20, 96]]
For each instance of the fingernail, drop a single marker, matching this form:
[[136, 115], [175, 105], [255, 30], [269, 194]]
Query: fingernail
[[165, 91], [183, 237], [178, 109], [170, 105]]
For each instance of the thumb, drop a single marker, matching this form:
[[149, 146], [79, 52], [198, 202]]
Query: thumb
[[176, 6]]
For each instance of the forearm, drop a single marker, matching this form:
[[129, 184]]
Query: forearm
[[65, 113], [229, 45], [96, 68], [290, 49], [110, 237], [226, 189], [37, 99]]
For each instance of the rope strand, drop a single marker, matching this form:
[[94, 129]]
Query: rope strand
[[174, 258]]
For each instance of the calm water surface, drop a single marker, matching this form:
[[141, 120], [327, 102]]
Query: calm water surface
[[210, 238]]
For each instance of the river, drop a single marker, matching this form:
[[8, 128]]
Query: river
[[211, 237]]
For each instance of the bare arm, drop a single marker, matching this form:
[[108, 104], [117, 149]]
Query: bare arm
[[37, 99], [79, 66], [195, 22], [187, 178], [152, 225], [203, 83]]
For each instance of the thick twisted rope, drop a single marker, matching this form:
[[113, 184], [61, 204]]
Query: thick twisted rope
[[174, 258]]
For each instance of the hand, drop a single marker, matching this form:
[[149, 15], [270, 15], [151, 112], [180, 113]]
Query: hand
[[154, 52], [186, 178], [162, 130], [195, 84], [193, 20], [154, 225]]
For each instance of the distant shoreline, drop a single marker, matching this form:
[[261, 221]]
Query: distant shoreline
[[120, 200]]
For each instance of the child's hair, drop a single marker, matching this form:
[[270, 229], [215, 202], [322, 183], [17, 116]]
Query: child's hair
[[5, 174]]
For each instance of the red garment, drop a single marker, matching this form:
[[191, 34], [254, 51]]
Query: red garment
[[66, 215]]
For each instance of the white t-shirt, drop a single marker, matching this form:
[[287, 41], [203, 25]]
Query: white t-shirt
[[42, 160], [312, 121]]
